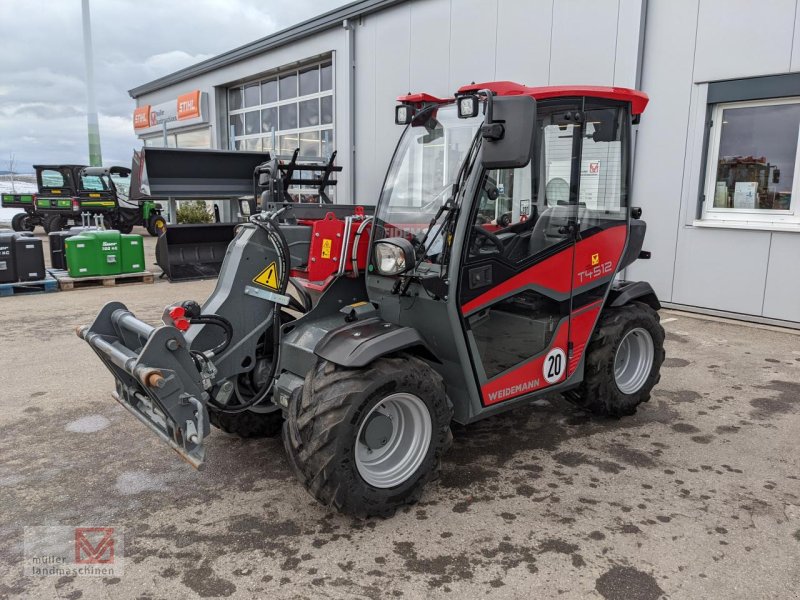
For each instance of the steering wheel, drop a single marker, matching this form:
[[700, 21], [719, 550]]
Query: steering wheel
[[482, 236]]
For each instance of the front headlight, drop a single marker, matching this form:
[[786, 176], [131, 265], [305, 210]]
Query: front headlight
[[394, 256]]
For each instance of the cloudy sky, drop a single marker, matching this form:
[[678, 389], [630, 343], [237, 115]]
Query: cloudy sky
[[42, 90]]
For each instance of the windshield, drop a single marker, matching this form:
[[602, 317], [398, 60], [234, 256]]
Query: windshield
[[93, 183], [422, 173], [123, 185]]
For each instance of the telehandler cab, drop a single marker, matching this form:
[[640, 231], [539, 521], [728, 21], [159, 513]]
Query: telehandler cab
[[488, 274]]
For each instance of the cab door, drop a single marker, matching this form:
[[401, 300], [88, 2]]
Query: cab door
[[516, 277]]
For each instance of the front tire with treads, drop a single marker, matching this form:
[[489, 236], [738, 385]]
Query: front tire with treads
[[327, 433]]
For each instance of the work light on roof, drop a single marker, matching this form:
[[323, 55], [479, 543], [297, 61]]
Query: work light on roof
[[467, 106], [403, 113]]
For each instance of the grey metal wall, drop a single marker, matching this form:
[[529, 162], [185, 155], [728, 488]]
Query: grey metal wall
[[436, 46], [688, 44]]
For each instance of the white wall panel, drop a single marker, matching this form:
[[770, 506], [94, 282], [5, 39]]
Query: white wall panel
[[782, 294], [473, 37], [742, 38], [628, 34], [523, 41], [723, 269], [661, 143], [584, 42], [365, 113], [392, 68], [430, 47]]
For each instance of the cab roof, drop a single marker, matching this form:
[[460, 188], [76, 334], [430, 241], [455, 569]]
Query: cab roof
[[637, 99]]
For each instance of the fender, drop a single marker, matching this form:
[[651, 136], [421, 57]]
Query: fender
[[623, 292], [359, 343]]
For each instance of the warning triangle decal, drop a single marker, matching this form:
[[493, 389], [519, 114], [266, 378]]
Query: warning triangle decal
[[268, 277]]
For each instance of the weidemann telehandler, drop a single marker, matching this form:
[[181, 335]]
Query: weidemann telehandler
[[485, 277]]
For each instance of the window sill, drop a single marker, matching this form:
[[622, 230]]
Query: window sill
[[751, 225]]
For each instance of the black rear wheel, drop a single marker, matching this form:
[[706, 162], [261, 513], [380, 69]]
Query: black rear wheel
[[366, 441], [22, 222], [623, 361], [54, 223]]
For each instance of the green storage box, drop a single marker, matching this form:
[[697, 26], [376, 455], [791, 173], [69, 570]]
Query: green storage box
[[93, 253], [132, 252]]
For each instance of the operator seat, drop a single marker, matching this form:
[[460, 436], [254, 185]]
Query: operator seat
[[548, 229]]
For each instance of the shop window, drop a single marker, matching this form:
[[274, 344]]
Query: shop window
[[235, 99], [269, 91], [326, 77], [269, 119], [326, 110], [237, 123], [252, 122], [309, 113], [309, 143], [252, 95], [309, 81], [288, 86], [752, 159], [288, 116], [199, 138], [295, 105]]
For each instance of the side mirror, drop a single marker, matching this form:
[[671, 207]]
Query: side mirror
[[509, 133]]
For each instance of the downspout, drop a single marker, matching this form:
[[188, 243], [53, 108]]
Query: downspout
[[350, 30]]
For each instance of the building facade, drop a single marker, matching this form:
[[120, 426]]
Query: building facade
[[715, 153]]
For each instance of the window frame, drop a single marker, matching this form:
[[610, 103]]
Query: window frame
[[747, 218], [265, 137]]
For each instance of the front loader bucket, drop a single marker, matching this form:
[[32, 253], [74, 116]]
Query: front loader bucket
[[187, 252], [156, 377]]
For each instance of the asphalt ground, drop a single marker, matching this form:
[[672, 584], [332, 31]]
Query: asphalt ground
[[696, 496]]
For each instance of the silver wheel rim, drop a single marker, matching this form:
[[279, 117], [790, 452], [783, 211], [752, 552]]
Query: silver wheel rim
[[405, 448], [634, 360]]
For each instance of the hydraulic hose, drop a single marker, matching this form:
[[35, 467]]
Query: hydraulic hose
[[271, 227], [219, 322]]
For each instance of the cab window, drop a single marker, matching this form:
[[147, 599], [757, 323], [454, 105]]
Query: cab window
[[52, 178], [93, 183]]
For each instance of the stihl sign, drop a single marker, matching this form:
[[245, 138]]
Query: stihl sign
[[187, 109]]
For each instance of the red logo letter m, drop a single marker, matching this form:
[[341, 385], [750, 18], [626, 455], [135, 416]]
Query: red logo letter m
[[99, 552]]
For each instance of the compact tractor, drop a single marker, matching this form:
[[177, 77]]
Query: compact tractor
[[489, 273]]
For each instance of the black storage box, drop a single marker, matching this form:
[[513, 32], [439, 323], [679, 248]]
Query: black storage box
[[8, 270], [58, 258], [29, 258]]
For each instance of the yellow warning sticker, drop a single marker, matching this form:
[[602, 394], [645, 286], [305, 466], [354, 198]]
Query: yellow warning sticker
[[268, 277], [326, 247], [595, 259]]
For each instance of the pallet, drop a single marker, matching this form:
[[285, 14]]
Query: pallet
[[40, 286], [65, 282]]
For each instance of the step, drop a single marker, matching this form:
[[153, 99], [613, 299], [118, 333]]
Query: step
[[66, 282], [40, 286]]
